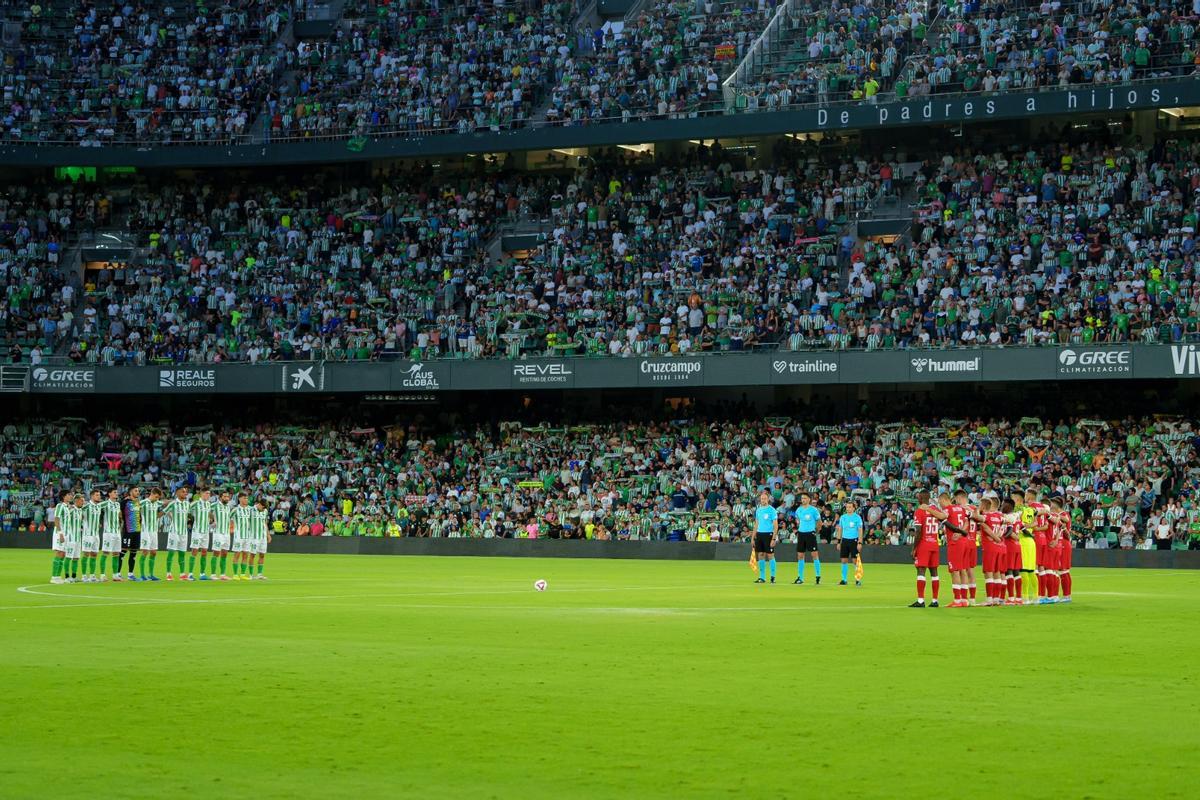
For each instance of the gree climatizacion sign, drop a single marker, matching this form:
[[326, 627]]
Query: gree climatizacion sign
[[63, 379], [1095, 362]]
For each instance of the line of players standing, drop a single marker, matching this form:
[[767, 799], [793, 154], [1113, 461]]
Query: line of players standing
[[1022, 538], [89, 531]]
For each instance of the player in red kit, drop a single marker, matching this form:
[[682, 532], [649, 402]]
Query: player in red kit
[[1068, 545], [1041, 532], [995, 556], [970, 547], [1012, 553], [1058, 549], [928, 519], [956, 545]]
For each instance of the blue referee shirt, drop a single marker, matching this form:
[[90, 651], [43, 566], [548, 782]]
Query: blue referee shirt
[[765, 516], [852, 525], [807, 518]]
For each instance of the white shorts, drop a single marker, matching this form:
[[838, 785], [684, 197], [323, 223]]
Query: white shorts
[[220, 542], [149, 541], [112, 543], [74, 548], [58, 542], [91, 543], [259, 545], [199, 540], [177, 541], [240, 544]]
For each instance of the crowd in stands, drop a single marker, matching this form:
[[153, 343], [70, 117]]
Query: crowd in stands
[[426, 66], [1056, 243], [1130, 483], [836, 51], [688, 258], [1028, 44], [668, 62], [91, 73], [190, 71]]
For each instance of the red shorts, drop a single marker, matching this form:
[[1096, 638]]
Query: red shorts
[[1064, 558], [1012, 552], [1042, 555], [1053, 557], [995, 558], [972, 555], [926, 556]]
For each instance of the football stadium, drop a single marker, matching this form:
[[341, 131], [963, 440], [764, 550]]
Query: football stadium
[[600, 398]]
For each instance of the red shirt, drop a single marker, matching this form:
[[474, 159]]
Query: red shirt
[[956, 516], [929, 524], [995, 521]]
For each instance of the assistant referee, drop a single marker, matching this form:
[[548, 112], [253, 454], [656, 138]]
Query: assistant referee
[[766, 536], [850, 532]]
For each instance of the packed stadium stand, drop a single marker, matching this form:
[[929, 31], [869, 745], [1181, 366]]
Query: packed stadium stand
[[674, 478], [1062, 243], [94, 74]]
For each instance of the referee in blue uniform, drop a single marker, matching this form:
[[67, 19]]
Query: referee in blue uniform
[[766, 535], [808, 517]]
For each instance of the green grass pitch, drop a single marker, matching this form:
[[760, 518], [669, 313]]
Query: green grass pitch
[[355, 676]]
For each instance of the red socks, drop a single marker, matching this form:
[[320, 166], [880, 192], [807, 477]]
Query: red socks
[[1066, 583], [921, 587], [1012, 582]]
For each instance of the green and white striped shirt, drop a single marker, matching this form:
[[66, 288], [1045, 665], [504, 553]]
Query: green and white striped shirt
[[177, 511], [91, 516], [244, 521], [201, 515], [73, 522], [150, 509], [61, 512], [112, 516], [223, 513], [260, 524]]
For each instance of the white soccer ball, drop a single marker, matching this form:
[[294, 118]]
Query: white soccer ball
[[540, 585]]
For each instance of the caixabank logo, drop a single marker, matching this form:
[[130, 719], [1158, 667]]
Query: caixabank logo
[[1106, 361], [187, 379], [297, 378], [56, 379]]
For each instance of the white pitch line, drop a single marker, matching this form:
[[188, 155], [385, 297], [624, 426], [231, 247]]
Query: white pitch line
[[106, 600]]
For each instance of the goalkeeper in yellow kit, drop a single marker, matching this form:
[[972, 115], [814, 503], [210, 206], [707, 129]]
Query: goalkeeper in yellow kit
[[1028, 555]]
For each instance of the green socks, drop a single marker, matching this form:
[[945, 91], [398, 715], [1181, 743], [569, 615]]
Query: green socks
[[192, 564], [56, 570], [224, 558], [152, 557], [260, 566], [103, 564], [141, 565], [203, 563]]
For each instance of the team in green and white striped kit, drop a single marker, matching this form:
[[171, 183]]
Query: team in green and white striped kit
[[87, 530]]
